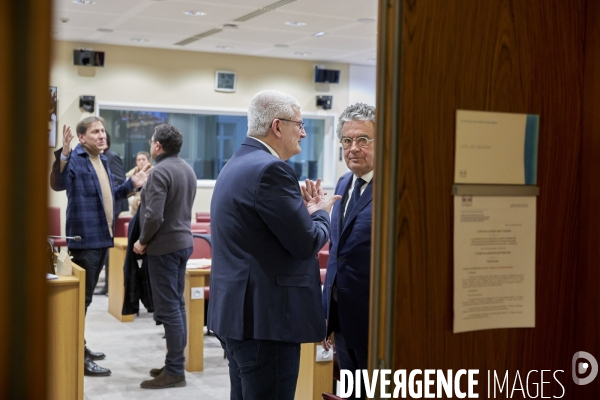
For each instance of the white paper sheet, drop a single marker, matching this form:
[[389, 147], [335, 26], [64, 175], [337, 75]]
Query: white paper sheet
[[494, 262], [496, 148]]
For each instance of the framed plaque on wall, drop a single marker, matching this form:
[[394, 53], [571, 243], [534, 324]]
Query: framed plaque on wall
[[52, 110], [225, 81]]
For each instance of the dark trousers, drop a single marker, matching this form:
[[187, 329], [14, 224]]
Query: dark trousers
[[92, 260], [262, 369], [167, 279], [351, 358]]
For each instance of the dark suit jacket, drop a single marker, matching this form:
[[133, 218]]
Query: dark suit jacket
[[118, 170], [85, 210], [265, 281], [349, 265], [137, 281]]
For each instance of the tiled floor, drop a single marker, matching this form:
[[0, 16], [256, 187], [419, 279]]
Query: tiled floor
[[133, 348]]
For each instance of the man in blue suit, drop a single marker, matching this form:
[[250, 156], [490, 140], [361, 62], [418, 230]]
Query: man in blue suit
[[347, 282], [265, 293]]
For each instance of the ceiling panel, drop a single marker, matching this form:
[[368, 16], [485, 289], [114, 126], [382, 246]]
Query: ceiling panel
[[117, 7], [216, 14], [173, 29], [164, 23]]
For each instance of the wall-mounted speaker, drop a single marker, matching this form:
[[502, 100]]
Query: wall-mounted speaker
[[327, 75], [324, 102], [88, 58], [87, 103]]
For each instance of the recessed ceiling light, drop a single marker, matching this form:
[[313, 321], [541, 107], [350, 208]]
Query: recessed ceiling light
[[319, 34], [224, 47], [86, 2], [282, 46], [300, 53], [139, 40], [195, 13], [295, 23], [367, 20], [105, 30]]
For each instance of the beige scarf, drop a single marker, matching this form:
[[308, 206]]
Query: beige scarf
[[107, 198]]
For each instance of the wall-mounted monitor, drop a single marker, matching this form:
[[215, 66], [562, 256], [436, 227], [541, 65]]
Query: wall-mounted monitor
[[88, 58], [327, 75]]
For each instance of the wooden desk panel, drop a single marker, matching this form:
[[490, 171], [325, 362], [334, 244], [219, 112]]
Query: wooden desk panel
[[194, 349], [314, 377], [66, 318], [116, 280]]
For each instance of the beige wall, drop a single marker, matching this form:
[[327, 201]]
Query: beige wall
[[174, 78]]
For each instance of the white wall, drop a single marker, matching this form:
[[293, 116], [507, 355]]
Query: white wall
[[184, 79], [362, 84]]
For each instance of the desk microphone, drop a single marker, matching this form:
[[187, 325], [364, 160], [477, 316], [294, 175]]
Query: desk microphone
[[75, 238]]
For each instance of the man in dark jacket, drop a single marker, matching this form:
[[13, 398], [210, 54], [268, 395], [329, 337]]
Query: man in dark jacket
[[166, 238], [347, 283], [265, 286], [85, 175]]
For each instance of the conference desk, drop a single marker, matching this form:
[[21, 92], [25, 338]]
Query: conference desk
[[116, 280], [314, 378], [66, 318], [195, 281]]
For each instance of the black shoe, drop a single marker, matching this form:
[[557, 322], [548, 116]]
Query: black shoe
[[104, 290], [154, 372], [90, 368], [164, 381], [95, 356]]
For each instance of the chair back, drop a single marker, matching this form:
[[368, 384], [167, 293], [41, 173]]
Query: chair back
[[323, 259], [202, 246], [197, 227], [54, 221], [120, 230], [203, 217], [54, 226]]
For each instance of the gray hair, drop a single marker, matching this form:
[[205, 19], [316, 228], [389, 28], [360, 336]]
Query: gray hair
[[267, 106], [82, 126], [355, 112]]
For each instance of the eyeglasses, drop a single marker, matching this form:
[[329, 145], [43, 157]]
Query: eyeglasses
[[362, 141], [150, 142], [299, 123]]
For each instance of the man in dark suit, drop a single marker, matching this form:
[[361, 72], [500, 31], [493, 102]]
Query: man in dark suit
[[84, 174], [346, 289], [265, 294]]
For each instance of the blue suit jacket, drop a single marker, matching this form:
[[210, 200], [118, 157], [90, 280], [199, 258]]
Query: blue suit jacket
[[265, 281], [85, 207], [349, 265]]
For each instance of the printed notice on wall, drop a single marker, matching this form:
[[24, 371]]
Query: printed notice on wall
[[496, 148], [494, 262]]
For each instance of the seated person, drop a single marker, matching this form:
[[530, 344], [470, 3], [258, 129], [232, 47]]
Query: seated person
[[142, 158]]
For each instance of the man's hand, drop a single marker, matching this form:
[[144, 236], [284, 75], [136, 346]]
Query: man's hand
[[314, 199], [67, 137], [139, 248], [326, 343], [139, 178]]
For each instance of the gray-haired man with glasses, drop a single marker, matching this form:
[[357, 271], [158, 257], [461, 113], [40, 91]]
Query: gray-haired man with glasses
[[346, 289]]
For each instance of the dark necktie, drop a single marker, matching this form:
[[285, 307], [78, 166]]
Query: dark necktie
[[355, 195]]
